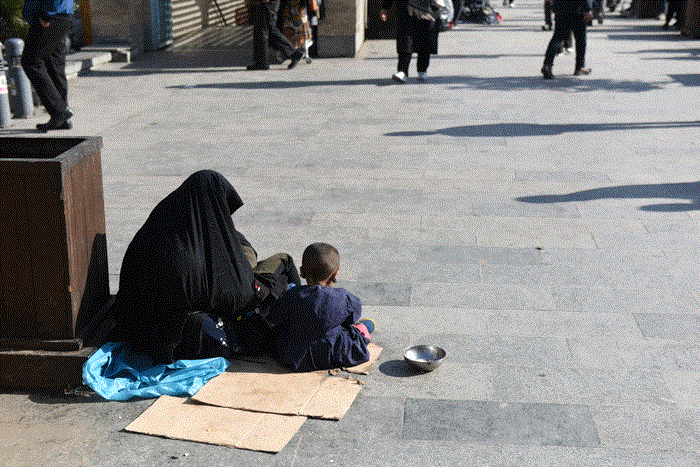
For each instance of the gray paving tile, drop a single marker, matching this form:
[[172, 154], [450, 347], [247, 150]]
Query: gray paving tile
[[527, 351], [460, 273], [308, 452], [494, 422], [484, 296], [656, 427], [441, 254], [379, 293], [581, 386], [611, 300], [669, 326], [560, 176], [615, 353], [361, 420], [506, 256], [538, 323], [532, 276], [522, 210]]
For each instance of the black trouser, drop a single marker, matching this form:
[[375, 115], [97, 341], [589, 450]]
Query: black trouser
[[44, 62], [548, 13], [564, 25], [676, 7], [422, 64], [266, 32]]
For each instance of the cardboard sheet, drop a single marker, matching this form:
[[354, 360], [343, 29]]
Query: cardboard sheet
[[313, 394], [179, 418], [286, 393], [365, 368], [333, 398]]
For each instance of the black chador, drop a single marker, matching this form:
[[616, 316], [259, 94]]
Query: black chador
[[186, 258]]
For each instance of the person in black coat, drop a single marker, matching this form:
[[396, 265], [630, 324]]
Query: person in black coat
[[266, 32], [44, 57], [569, 16], [417, 26], [190, 285]]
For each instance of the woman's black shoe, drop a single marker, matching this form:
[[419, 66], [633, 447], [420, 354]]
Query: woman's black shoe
[[59, 122]]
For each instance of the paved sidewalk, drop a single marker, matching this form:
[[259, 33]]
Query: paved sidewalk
[[545, 233]]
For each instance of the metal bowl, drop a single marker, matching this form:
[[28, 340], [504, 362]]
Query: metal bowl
[[424, 357]]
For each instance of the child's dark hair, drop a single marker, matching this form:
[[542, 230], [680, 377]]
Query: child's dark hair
[[320, 260]]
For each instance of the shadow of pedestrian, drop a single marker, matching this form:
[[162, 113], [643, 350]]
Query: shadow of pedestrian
[[504, 83], [514, 130], [689, 191]]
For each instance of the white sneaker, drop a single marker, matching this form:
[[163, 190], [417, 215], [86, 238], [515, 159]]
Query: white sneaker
[[399, 77], [422, 76]]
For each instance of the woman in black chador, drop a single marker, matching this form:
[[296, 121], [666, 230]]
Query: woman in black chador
[[190, 285], [417, 27]]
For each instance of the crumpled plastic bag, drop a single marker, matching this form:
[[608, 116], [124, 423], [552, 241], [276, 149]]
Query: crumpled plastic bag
[[117, 372]]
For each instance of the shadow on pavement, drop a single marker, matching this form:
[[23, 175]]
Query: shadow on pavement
[[505, 83], [539, 129], [687, 80], [661, 36], [689, 191], [398, 369]]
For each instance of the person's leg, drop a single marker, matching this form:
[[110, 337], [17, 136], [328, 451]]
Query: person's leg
[[680, 15], [44, 50], [569, 41], [260, 34], [548, 14], [56, 67], [457, 6], [280, 264], [562, 29], [423, 62], [579, 29], [277, 40], [404, 62]]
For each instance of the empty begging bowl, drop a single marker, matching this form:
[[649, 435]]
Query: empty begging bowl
[[424, 357]]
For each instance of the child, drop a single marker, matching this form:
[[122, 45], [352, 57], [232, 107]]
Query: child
[[317, 326]]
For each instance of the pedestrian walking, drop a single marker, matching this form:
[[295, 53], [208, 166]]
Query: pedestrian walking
[[569, 16], [44, 57], [417, 26], [266, 32]]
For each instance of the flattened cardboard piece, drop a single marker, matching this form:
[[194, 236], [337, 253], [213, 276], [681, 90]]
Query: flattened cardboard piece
[[286, 393], [333, 398], [309, 394], [365, 368], [178, 418]]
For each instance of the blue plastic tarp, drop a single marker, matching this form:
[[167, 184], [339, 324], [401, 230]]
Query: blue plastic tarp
[[116, 372]]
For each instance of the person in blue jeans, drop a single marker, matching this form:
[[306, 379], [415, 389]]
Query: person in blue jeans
[[569, 16], [44, 57]]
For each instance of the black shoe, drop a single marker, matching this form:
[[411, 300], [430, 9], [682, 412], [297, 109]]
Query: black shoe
[[582, 71], [296, 56], [547, 72], [58, 122], [257, 66]]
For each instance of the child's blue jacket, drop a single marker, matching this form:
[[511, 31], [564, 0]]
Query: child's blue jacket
[[313, 328]]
